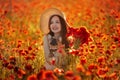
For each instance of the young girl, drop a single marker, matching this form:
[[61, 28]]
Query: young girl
[[55, 41]]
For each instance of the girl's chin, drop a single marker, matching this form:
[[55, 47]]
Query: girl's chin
[[56, 31]]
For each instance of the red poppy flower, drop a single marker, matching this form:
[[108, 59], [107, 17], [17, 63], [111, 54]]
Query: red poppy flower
[[32, 77], [22, 52], [10, 66], [59, 71], [28, 67], [5, 63], [108, 52], [29, 48], [113, 76], [11, 77], [83, 61], [27, 57], [88, 73], [92, 67], [80, 68], [77, 78], [74, 52], [69, 75], [48, 75], [20, 73], [102, 72], [101, 59], [12, 60], [40, 75]]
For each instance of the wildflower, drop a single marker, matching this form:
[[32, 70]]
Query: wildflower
[[118, 61], [59, 71], [48, 75], [32, 77], [22, 52], [80, 68], [10, 66], [21, 73], [29, 48], [28, 67], [92, 67], [40, 75], [88, 73], [16, 69], [77, 78], [27, 57], [69, 75], [12, 77], [113, 47], [113, 75], [101, 59], [5, 63], [101, 72], [83, 60], [19, 43], [74, 52], [108, 52], [12, 60]]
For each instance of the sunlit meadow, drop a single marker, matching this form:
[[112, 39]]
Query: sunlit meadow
[[97, 57]]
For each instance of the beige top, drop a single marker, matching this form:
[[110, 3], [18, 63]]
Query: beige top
[[55, 55]]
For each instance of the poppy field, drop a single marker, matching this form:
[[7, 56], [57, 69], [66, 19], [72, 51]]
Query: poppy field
[[94, 35]]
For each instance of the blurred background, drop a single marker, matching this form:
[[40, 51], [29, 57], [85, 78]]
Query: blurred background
[[21, 52]]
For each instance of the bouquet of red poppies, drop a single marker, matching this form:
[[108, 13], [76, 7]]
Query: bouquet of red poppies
[[77, 36]]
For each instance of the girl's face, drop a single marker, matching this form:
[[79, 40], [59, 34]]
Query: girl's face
[[55, 24]]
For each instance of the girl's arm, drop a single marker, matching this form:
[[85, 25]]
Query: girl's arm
[[46, 48]]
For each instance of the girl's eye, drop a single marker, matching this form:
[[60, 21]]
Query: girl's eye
[[57, 22]]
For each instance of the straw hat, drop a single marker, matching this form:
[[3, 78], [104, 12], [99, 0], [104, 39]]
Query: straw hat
[[44, 19]]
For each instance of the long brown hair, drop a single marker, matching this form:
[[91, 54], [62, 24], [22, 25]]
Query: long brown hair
[[63, 31]]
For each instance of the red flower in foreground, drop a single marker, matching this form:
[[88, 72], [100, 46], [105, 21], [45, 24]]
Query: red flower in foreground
[[48, 75], [69, 75], [40, 75], [32, 77]]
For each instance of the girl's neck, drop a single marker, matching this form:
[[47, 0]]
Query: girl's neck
[[57, 35]]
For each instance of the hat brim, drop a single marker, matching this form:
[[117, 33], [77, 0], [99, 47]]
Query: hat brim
[[44, 19]]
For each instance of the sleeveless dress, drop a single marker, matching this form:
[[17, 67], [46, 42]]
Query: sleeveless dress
[[53, 59]]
